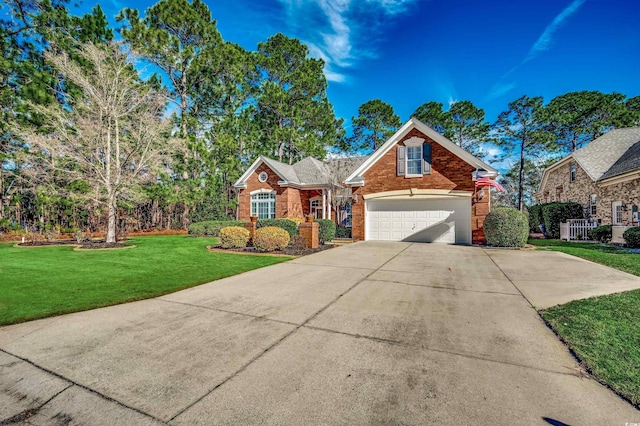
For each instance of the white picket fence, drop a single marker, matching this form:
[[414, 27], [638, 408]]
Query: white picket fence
[[576, 229]]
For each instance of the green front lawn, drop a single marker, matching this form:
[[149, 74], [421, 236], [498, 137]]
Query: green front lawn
[[614, 257], [46, 281], [604, 331]]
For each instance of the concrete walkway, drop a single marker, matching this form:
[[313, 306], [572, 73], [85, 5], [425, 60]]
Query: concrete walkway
[[369, 333]]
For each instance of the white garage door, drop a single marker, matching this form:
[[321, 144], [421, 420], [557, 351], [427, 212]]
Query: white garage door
[[442, 220]]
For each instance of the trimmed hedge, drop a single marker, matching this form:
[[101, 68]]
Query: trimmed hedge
[[506, 227], [342, 232], [326, 230], [270, 238], [601, 233], [289, 225], [632, 237], [234, 237], [211, 227], [556, 213], [535, 217]]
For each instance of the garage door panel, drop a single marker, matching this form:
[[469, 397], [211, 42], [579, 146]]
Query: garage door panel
[[433, 220]]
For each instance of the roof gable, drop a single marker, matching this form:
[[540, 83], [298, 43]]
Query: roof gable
[[357, 176], [629, 161], [306, 172], [601, 154], [612, 154]]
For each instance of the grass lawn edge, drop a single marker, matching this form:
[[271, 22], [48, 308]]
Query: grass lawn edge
[[600, 332], [28, 292]]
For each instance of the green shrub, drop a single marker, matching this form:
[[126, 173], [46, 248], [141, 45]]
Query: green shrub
[[632, 237], [234, 237], [327, 230], [289, 225], [535, 217], [556, 213], [342, 232], [211, 227], [506, 227], [270, 238], [298, 242], [601, 233], [196, 229]]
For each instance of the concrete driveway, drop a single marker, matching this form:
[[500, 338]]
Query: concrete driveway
[[369, 333]]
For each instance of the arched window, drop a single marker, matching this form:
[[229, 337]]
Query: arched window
[[263, 205]]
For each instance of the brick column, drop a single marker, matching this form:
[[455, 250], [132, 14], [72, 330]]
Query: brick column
[[309, 230], [251, 226]]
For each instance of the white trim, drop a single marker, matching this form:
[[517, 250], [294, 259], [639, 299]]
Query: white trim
[[356, 177], [625, 177], [475, 175], [406, 158], [614, 212], [263, 191], [261, 175], [414, 141], [242, 182], [418, 193]]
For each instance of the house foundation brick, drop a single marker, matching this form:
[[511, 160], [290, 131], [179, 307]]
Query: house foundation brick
[[310, 231], [251, 227]]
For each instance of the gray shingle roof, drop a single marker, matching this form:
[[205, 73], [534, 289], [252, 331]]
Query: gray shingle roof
[[341, 168], [629, 161], [310, 171], [599, 156], [284, 170]]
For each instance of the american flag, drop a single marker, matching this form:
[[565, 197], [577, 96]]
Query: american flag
[[485, 181]]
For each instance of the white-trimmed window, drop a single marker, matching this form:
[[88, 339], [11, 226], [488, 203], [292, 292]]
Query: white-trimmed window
[[413, 157], [592, 205], [616, 213], [572, 171], [263, 205], [414, 161], [315, 207]]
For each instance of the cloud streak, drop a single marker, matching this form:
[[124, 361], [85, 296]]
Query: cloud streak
[[542, 44], [546, 38], [339, 31]]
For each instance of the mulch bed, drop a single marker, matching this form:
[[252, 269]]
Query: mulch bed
[[286, 252], [96, 244]]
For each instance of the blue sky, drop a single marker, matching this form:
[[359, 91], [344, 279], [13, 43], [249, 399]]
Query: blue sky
[[407, 52]]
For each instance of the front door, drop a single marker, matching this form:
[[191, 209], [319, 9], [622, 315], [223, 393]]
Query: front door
[[616, 213], [315, 208]]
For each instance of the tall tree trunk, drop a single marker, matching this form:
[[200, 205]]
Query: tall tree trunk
[[111, 220], [521, 179]]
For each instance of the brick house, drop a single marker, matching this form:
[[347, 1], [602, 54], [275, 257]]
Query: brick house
[[418, 186], [603, 176]]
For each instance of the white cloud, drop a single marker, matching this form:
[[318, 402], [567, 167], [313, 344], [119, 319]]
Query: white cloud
[[500, 89], [542, 44], [546, 38], [339, 31]]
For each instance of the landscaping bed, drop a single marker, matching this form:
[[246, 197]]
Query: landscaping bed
[[287, 251], [86, 245]]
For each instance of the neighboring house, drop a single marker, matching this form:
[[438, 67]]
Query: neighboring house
[[603, 176], [418, 186]]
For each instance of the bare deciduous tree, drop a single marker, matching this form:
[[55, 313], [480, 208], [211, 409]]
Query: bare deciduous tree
[[112, 135]]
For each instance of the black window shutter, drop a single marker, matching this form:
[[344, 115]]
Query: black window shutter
[[426, 158], [401, 153]]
